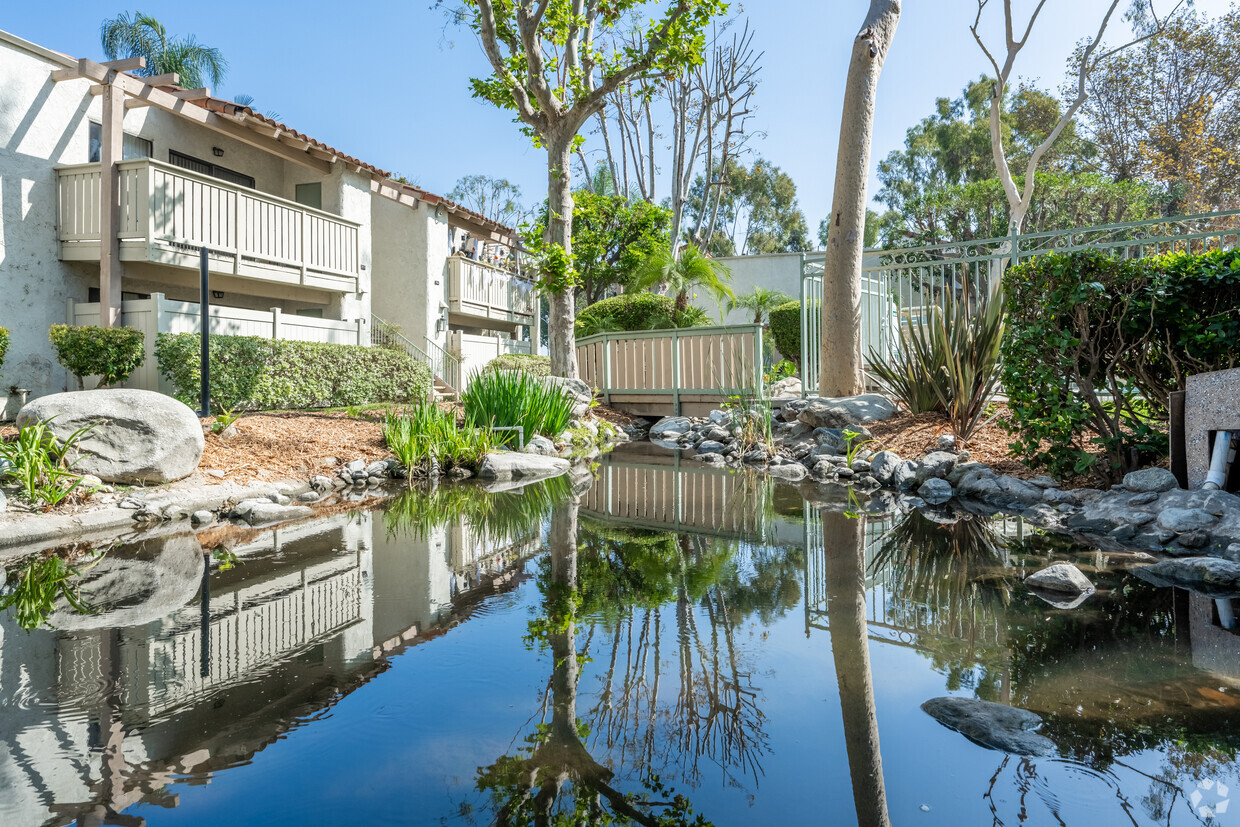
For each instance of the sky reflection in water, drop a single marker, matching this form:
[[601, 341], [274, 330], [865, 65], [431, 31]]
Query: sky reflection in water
[[662, 646]]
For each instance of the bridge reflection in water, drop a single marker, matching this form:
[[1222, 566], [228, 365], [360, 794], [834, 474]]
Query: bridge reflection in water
[[191, 667]]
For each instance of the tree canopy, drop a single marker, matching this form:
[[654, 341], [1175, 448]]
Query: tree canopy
[[758, 210], [141, 35]]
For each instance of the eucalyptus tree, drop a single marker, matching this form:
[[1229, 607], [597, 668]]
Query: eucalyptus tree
[[497, 198], [141, 35], [840, 371], [550, 68]]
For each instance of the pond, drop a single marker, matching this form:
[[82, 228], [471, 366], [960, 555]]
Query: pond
[[659, 644]]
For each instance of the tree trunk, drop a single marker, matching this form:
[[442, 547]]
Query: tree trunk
[[843, 550], [561, 336], [841, 367]]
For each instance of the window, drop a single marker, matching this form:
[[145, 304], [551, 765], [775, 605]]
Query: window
[[131, 145], [92, 295], [310, 195], [193, 164], [310, 312]]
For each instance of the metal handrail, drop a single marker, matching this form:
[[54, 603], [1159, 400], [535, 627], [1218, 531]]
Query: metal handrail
[[444, 366]]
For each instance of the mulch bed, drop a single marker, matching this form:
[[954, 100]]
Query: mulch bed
[[275, 446]]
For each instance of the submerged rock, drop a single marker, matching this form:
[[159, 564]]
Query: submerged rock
[[935, 491], [991, 725], [1211, 576], [1061, 578], [506, 465]]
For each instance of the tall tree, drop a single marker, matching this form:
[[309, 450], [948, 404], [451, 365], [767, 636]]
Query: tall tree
[[140, 35], [547, 67], [1169, 111], [840, 365], [497, 198], [757, 209], [1087, 59]]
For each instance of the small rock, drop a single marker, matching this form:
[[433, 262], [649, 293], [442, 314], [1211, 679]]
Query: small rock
[[936, 464], [720, 418], [883, 465], [375, 482], [1148, 480], [905, 475], [935, 491], [357, 466], [757, 456], [321, 483], [670, 428], [131, 503], [1063, 578], [945, 442], [459, 472], [845, 473], [214, 472], [378, 468], [202, 517], [861, 466], [709, 446], [308, 496], [1194, 539], [279, 499], [540, 445], [1144, 498]]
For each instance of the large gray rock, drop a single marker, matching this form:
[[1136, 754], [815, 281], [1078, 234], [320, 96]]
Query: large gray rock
[[792, 410], [506, 465], [138, 436], [1207, 575], [991, 725], [936, 464], [1157, 480], [792, 472], [789, 386], [540, 445], [883, 466], [1181, 520], [1062, 578], [265, 512], [935, 491], [905, 474], [671, 428], [842, 411]]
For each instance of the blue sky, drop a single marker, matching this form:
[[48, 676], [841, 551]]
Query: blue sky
[[385, 81]]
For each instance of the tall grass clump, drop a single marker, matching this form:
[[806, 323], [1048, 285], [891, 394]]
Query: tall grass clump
[[428, 432], [517, 399], [39, 462]]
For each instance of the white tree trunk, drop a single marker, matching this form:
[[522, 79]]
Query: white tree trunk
[[561, 333], [841, 363]]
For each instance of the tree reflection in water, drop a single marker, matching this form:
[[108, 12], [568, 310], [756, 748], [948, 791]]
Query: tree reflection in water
[[554, 779]]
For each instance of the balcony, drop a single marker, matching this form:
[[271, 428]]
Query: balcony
[[168, 214], [480, 295]]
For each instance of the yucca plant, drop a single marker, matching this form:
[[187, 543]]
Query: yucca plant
[[910, 373], [970, 341], [517, 399]]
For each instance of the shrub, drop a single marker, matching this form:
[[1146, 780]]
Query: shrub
[[517, 399], [111, 353], [4, 344], [535, 365], [251, 373], [785, 327], [426, 431], [637, 311], [1096, 344]]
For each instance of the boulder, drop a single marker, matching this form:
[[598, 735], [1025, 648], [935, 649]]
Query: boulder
[[1061, 578], [1211, 576], [991, 725], [883, 466], [137, 436], [506, 465], [792, 410], [720, 418], [708, 446], [904, 475], [265, 512], [791, 472], [788, 386], [1181, 520], [935, 491], [936, 464], [540, 445], [1156, 480], [843, 411], [671, 428]]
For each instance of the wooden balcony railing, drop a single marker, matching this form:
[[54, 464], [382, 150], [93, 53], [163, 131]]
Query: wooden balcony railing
[[168, 214], [489, 294]]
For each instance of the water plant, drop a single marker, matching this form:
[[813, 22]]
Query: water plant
[[517, 399], [39, 462], [427, 431]]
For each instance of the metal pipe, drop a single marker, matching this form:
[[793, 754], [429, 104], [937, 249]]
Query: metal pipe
[[1226, 615], [1220, 461], [204, 336]]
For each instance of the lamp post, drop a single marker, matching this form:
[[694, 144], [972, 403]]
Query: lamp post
[[205, 336]]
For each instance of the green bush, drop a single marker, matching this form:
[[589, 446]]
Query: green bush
[[428, 430], [517, 399], [253, 373], [4, 345], [1096, 344], [785, 327], [537, 365], [637, 311], [111, 353]]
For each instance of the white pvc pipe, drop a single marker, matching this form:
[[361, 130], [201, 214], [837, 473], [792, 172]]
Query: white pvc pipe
[[1220, 460], [1226, 616]]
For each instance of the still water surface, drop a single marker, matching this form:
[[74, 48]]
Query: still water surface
[[670, 646]]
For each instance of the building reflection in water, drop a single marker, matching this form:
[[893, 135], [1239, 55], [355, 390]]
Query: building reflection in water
[[190, 667]]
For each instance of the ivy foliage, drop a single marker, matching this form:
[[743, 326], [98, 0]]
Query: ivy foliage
[[4, 344], [248, 372], [637, 311], [1096, 344], [785, 327], [111, 353]]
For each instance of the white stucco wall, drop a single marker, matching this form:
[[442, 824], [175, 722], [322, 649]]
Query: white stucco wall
[[780, 271], [404, 278]]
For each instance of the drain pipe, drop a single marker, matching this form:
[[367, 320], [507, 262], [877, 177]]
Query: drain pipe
[[1226, 615], [1220, 461]]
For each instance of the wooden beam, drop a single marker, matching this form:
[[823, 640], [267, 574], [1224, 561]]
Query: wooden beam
[[84, 64], [111, 151], [137, 103], [191, 94], [322, 154], [166, 79]]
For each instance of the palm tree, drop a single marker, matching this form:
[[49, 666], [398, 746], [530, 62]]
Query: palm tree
[[693, 269], [761, 301], [143, 36]]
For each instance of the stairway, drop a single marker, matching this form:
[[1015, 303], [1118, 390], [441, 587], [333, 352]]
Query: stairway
[[445, 368]]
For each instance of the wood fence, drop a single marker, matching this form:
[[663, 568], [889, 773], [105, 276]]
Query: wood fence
[[687, 370]]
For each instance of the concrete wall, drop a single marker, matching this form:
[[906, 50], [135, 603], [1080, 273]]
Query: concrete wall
[[408, 267], [778, 271], [45, 124]]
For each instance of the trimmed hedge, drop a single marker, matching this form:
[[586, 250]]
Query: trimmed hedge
[[253, 373], [111, 353], [4, 344], [785, 327], [536, 365], [1096, 344], [637, 311]]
